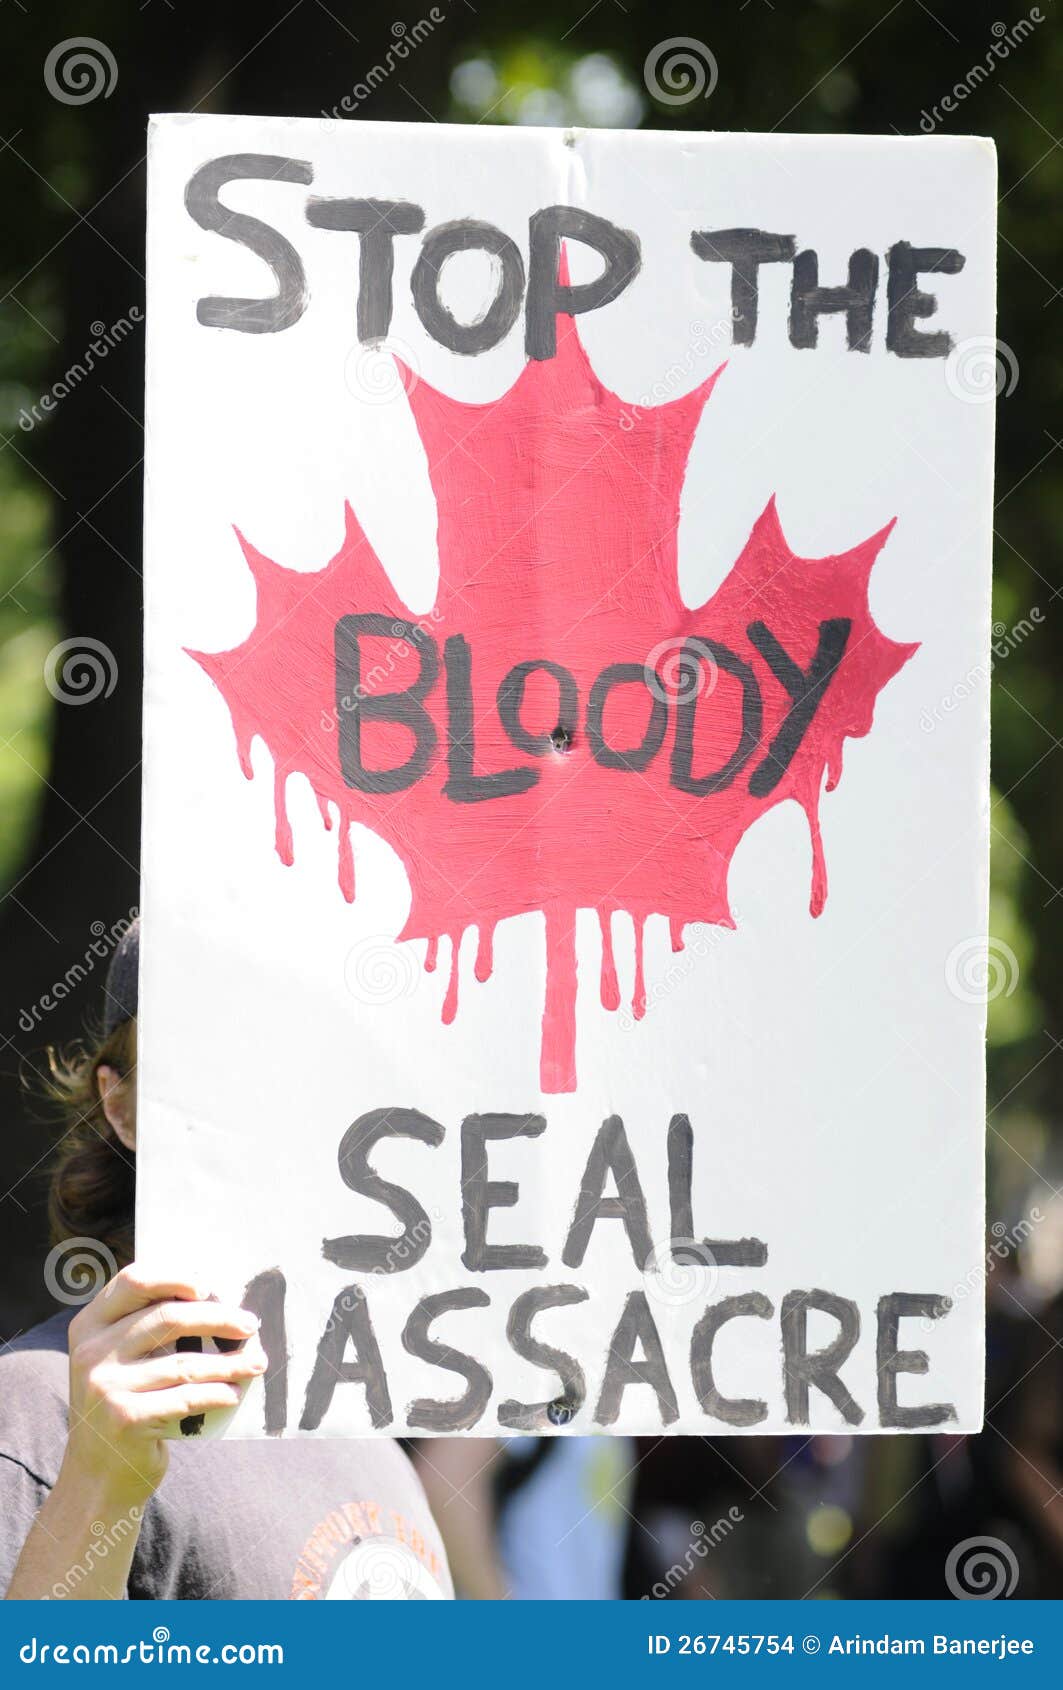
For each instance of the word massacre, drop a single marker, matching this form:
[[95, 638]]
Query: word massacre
[[543, 289], [348, 1353]]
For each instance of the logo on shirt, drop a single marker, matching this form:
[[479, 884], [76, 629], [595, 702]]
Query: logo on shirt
[[351, 1556]]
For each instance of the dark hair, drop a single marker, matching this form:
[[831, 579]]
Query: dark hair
[[93, 1176]]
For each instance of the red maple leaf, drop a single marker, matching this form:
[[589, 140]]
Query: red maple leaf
[[558, 509]]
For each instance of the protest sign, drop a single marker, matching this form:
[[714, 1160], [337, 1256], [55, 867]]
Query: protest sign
[[566, 791]]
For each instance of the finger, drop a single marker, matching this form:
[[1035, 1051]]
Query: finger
[[189, 1367], [135, 1287], [163, 1323], [162, 1411]]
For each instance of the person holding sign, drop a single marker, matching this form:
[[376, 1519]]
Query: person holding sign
[[95, 1499]]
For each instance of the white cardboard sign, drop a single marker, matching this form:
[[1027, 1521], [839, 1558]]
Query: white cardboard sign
[[566, 795]]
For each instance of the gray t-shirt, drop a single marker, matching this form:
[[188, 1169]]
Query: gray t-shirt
[[282, 1519]]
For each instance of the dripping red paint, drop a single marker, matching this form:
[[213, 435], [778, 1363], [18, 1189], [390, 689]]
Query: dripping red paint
[[562, 733]]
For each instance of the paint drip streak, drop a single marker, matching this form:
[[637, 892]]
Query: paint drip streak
[[595, 531]]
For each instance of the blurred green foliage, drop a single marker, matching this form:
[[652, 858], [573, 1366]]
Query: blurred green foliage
[[28, 585]]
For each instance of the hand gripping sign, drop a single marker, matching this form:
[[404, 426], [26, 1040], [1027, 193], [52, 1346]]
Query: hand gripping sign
[[537, 521]]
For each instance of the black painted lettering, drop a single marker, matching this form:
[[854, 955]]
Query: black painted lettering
[[369, 1253], [610, 1154], [355, 704], [710, 652], [718, 1252], [349, 1323], [907, 302], [376, 223], [805, 687], [890, 1360], [547, 296], [264, 1295], [733, 1411], [495, 322], [802, 1370], [460, 1413], [479, 1194], [286, 306], [635, 757], [809, 302], [745, 250], [511, 700], [463, 785], [622, 1368], [532, 1417]]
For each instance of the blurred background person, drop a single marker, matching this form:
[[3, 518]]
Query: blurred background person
[[533, 1519]]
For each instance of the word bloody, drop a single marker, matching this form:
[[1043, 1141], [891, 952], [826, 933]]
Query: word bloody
[[700, 663]]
